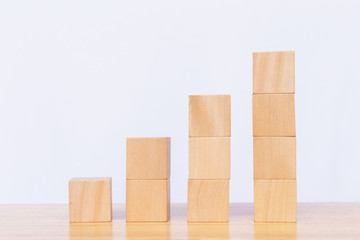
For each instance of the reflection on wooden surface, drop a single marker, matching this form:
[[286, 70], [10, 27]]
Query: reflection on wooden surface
[[275, 231], [91, 230], [315, 221], [208, 230], [138, 230]]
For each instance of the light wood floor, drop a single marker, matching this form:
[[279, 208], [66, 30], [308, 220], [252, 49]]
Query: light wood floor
[[315, 221]]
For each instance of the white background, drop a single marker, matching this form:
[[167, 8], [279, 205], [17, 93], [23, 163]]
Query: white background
[[78, 77]]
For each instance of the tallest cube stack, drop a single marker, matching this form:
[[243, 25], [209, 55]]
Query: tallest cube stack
[[274, 137]]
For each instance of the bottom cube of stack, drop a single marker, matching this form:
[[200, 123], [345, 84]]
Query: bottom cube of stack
[[208, 201], [147, 200], [275, 201]]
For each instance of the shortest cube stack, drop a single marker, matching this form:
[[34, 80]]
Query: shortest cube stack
[[90, 200], [148, 179]]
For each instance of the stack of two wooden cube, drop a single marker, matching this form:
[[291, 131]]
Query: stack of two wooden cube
[[209, 158], [274, 137], [148, 179]]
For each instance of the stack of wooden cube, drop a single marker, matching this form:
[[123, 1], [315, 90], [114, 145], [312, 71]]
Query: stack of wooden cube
[[274, 137], [209, 158], [148, 179]]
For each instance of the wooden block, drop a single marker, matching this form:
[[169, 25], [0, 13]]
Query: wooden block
[[90, 200], [208, 201], [148, 158], [275, 200], [147, 200], [210, 116], [274, 157], [209, 158], [273, 115], [274, 72]]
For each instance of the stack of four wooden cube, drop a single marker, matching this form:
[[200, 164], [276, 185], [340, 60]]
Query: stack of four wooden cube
[[274, 137]]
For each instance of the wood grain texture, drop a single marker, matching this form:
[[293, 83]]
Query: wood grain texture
[[209, 158], [274, 157], [273, 115], [208, 200], [147, 200], [210, 116], [274, 72], [90, 200], [330, 221], [148, 158], [275, 201]]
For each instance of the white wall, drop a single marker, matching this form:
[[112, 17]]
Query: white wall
[[78, 77]]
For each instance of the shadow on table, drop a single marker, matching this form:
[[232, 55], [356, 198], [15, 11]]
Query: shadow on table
[[119, 213]]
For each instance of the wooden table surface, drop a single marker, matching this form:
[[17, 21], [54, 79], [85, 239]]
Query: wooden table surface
[[315, 221]]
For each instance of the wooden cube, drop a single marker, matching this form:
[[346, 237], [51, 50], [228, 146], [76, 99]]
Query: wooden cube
[[274, 157], [148, 158], [208, 201], [273, 115], [209, 158], [147, 200], [274, 72], [275, 201], [90, 200], [210, 116]]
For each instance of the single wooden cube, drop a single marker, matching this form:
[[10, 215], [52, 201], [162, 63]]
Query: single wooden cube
[[273, 115], [274, 157], [148, 158], [210, 116], [147, 200], [90, 200], [208, 201], [274, 72], [209, 158], [275, 201]]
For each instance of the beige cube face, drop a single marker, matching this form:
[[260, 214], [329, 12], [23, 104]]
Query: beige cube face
[[208, 201], [148, 158], [274, 157], [275, 201], [209, 158], [147, 200], [273, 115], [274, 72], [90, 200], [210, 116]]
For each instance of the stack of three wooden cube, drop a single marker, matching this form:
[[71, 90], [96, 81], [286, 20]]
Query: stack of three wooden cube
[[209, 158]]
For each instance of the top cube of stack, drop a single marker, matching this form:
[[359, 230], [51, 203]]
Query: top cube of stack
[[148, 158], [209, 116], [274, 72]]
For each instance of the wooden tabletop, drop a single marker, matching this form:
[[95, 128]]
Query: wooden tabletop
[[315, 221]]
